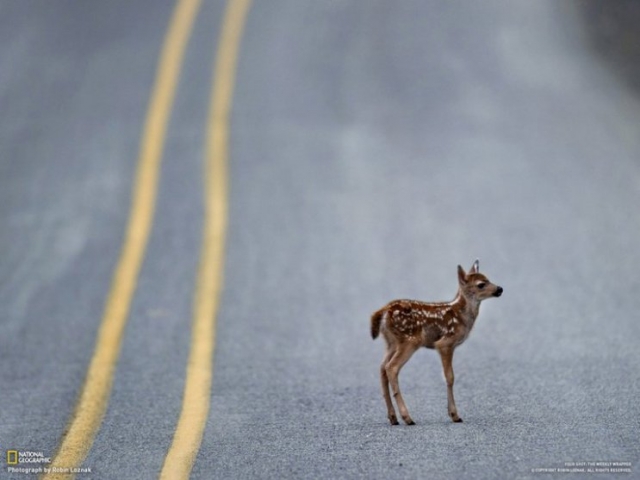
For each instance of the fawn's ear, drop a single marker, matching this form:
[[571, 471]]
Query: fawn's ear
[[462, 277], [475, 268]]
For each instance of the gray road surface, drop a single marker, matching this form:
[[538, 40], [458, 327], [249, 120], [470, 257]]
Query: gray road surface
[[374, 146]]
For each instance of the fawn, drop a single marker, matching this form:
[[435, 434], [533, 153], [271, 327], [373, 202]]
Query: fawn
[[407, 325]]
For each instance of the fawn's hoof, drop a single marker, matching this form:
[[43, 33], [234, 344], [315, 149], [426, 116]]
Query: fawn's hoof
[[409, 421], [393, 420], [455, 417]]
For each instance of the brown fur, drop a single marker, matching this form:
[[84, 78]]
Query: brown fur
[[407, 325], [376, 319]]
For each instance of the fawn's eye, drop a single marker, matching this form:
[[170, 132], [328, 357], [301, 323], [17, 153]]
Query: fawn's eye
[[481, 285]]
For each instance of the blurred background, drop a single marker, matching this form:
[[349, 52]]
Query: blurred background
[[374, 146]]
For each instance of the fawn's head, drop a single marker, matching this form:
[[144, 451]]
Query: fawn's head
[[475, 285]]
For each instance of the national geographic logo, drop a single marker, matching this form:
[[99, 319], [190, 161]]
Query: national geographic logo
[[37, 463], [23, 457], [27, 462]]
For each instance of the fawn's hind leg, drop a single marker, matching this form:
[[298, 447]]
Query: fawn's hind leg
[[384, 380], [401, 355]]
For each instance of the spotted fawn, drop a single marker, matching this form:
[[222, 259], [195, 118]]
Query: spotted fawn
[[407, 325]]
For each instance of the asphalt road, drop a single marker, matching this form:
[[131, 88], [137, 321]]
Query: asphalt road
[[374, 146]]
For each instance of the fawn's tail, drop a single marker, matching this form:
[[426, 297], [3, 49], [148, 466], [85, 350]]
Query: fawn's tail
[[376, 319]]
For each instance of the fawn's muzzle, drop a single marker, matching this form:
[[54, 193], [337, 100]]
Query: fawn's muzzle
[[498, 292]]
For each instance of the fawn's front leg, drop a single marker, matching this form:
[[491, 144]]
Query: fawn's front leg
[[446, 355]]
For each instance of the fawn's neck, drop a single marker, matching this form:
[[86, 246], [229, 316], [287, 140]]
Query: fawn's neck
[[467, 309]]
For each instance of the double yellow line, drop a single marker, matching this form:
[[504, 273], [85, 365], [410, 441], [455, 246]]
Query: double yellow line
[[96, 390], [195, 403]]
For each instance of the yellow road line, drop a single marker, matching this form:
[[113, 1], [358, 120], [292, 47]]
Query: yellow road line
[[195, 403], [95, 393]]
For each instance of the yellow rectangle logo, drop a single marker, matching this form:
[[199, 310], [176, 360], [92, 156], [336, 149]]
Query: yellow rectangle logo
[[12, 457]]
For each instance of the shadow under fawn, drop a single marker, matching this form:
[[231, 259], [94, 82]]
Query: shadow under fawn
[[407, 325]]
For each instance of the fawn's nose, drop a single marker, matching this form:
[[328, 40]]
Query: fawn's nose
[[499, 291]]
